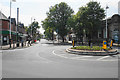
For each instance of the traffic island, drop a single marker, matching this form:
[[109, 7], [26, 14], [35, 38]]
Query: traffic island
[[95, 51]]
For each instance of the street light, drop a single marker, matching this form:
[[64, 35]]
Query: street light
[[106, 20], [1, 28], [31, 27], [10, 18], [17, 27]]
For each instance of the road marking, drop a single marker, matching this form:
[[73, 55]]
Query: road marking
[[58, 55], [82, 58], [103, 57]]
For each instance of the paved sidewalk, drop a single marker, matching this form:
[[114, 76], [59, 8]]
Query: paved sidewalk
[[14, 46]]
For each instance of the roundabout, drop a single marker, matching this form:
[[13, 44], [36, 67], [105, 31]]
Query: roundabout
[[94, 53]]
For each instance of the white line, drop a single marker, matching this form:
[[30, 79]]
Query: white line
[[81, 58], [58, 55], [103, 57]]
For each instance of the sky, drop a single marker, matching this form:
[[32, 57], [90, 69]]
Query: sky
[[36, 9]]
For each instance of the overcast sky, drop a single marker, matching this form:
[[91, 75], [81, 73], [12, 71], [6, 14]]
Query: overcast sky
[[37, 8]]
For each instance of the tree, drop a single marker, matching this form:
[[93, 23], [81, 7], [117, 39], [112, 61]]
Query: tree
[[88, 20], [34, 27], [95, 15], [58, 16], [80, 23], [48, 33], [48, 29]]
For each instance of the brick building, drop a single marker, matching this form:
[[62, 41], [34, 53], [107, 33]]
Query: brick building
[[5, 30]]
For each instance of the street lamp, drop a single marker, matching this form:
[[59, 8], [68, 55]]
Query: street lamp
[[106, 21], [10, 18], [31, 27], [1, 28], [17, 27]]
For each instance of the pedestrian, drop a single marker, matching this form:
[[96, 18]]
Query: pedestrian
[[28, 41]]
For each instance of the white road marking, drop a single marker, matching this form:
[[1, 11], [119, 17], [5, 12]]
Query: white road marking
[[103, 57], [82, 58], [58, 55]]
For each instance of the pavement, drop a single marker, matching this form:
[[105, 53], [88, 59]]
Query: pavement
[[46, 60], [14, 46]]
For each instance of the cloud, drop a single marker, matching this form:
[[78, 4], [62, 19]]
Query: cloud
[[38, 8]]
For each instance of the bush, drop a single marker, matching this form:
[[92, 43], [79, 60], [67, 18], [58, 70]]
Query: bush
[[96, 48]]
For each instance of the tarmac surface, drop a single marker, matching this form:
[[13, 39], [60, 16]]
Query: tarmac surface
[[43, 60]]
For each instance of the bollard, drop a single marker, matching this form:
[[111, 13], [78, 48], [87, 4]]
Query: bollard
[[73, 43], [10, 43], [111, 44], [104, 45], [13, 45]]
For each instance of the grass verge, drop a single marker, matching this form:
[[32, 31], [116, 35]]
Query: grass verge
[[94, 48]]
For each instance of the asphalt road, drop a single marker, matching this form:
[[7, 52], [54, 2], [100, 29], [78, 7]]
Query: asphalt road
[[45, 60]]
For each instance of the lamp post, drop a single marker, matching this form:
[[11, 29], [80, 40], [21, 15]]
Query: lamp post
[[31, 28], [1, 28], [17, 27], [10, 23], [106, 22], [10, 19]]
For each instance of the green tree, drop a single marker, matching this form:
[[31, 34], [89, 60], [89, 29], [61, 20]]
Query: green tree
[[58, 16], [95, 15], [48, 33], [48, 29], [80, 23], [88, 20], [34, 27]]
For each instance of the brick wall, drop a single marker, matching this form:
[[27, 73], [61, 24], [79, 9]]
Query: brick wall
[[5, 25]]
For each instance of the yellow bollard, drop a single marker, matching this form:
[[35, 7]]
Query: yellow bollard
[[73, 43], [104, 44], [111, 43]]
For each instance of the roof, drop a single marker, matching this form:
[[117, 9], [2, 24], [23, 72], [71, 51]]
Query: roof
[[2, 16]]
